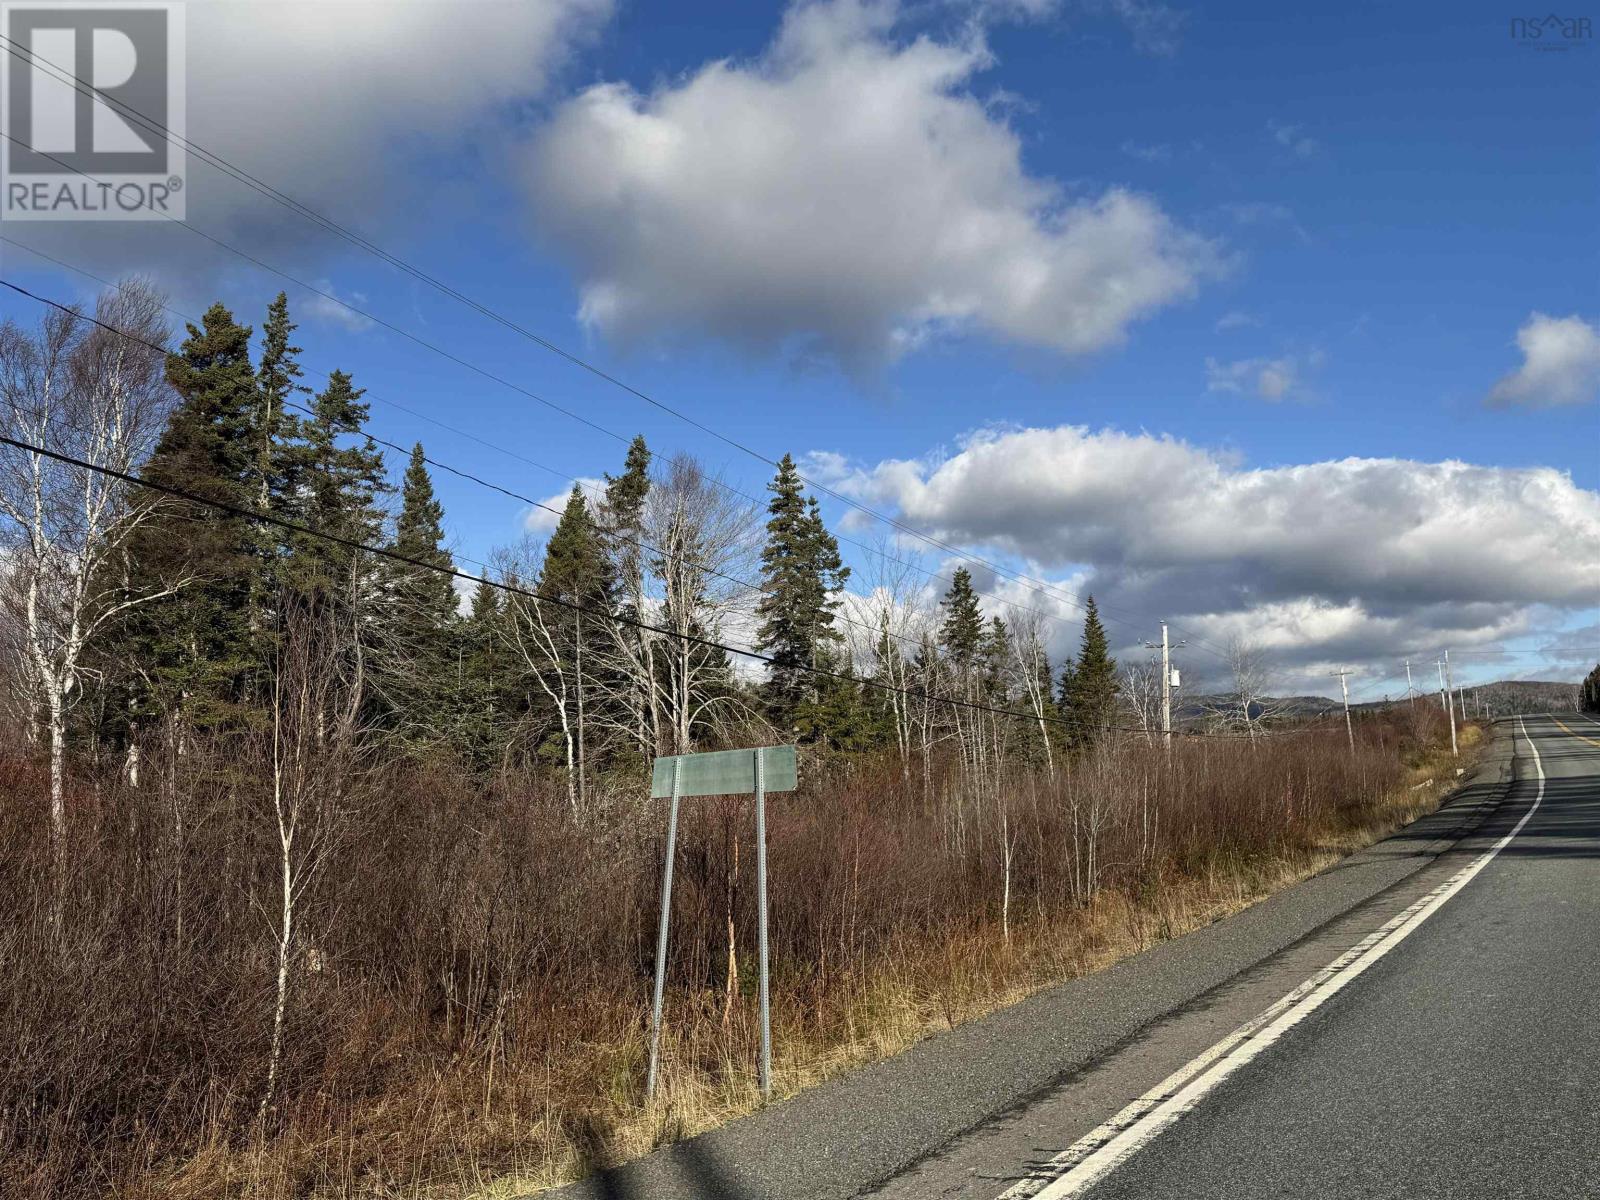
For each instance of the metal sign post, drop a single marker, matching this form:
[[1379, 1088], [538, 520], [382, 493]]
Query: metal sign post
[[761, 924], [661, 936], [720, 773]]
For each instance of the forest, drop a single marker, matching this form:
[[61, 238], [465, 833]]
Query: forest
[[328, 866]]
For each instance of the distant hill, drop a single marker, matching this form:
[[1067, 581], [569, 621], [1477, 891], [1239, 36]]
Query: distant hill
[[1500, 699]]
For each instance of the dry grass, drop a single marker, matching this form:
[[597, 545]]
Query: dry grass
[[474, 1021]]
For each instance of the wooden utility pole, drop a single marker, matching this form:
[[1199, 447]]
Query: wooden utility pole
[[1344, 687], [1166, 685], [1444, 694]]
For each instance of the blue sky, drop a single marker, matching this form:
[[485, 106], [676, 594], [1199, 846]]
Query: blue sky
[[1236, 248]]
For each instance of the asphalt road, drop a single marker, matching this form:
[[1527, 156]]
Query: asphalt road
[[1462, 1062], [1477, 1016]]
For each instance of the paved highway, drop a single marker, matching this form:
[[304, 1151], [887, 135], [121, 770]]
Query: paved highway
[[1452, 1050], [1417, 1021]]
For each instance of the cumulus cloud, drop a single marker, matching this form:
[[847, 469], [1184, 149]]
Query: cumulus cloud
[[1269, 378], [1351, 559], [1560, 363], [335, 103], [543, 518], [845, 193]]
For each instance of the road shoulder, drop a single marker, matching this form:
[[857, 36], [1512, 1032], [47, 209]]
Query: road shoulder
[[998, 1076]]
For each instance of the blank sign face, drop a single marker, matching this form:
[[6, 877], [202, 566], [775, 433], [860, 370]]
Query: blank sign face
[[725, 772]]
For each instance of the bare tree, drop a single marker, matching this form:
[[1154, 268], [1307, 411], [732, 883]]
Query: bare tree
[[1251, 702], [1139, 690], [78, 389], [316, 754], [1033, 673], [706, 538], [535, 632]]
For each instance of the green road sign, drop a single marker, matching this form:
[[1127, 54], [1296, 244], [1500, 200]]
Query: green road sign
[[725, 772]]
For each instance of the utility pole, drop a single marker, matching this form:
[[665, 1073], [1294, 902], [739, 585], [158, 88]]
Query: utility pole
[[1444, 694], [1166, 685], [1344, 686], [1411, 694]]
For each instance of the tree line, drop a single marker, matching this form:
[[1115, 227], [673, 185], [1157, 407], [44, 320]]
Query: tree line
[[140, 620]]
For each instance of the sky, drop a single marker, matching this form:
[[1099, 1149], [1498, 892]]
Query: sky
[[1275, 322]]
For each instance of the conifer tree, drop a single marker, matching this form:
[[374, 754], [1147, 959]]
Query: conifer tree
[[961, 631], [339, 494], [802, 572], [629, 673], [196, 649], [273, 478], [1091, 707], [421, 610], [425, 591]]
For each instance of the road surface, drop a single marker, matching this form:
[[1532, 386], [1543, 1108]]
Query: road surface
[[1419, 1020], [1453, 1051]]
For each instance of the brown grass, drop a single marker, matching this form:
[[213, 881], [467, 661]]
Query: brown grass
[[468, 1014]]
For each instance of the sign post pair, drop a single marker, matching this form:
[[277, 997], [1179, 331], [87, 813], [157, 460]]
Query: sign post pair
[[719, 773]]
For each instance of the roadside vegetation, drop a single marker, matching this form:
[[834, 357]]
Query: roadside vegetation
[[312, 883]]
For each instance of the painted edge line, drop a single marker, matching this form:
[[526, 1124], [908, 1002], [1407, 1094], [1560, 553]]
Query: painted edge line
[[1101, 1151]]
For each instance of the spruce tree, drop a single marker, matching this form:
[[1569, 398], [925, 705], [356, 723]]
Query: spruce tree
[[197, 650], [626, 679], [1091, 707], [961, 631], [420, 618], [426, 594], [801, 571], [339, 493]]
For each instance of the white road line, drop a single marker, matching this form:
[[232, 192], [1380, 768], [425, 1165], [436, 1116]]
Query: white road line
[[1097, 1154]]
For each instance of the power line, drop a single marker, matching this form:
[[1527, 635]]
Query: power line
[[242, 176], [515, 589], [638, 543], [933, 576]]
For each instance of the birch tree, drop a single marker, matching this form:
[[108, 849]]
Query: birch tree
[[101, 398], [705, 540]]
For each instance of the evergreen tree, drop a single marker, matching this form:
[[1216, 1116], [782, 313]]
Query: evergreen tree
[[339, 494], [421, 610], [997, 662], [575, 566], [801, 570], [961, 631], [626, 679], [273, 478], [426, 593], [1091, 707], [621, 518], [196, 649], [481, 699], [273, 425]]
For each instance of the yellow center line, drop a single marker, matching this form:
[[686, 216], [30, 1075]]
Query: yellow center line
[[1575, 733]]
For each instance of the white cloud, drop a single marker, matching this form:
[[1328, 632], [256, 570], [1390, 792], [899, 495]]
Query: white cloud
[[1560, 363], [1236, 320], [335, 103], [543, 518], [1346, 559], [1152, 153], [327, 307], [1268, 378], [1292, 138], [844, 193]]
